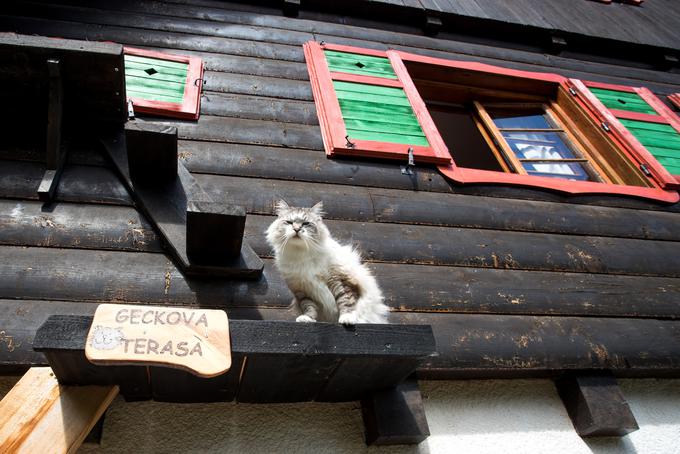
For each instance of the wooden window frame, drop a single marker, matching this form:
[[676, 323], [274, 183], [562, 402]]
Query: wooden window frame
[[675, 100], [331, 120], [333, 130], [191, 100], [637, 151]]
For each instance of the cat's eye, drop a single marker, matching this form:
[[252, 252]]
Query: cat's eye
[[289, 222], [305, 224]]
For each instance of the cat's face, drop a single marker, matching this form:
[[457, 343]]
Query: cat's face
[[296, 227]]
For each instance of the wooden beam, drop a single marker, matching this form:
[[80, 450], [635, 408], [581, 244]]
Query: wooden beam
[[151, 152], [395, 416], [291, 8], [214, 232], [596, 404], [39, 415], [54, 154]]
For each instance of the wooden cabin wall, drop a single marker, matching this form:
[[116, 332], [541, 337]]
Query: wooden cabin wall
[[528, 272]]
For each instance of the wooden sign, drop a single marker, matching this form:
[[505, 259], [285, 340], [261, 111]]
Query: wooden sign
[[196, 340]]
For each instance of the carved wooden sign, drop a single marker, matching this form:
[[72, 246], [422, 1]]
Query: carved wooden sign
[[196, 340]]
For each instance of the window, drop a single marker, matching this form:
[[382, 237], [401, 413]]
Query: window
[[478, 123], [163, 84]]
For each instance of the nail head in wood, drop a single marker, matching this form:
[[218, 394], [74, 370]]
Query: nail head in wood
[[214, 232], [596, 404], [152, 151], [395, 416]]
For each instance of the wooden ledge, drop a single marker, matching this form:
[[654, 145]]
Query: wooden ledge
[[271, 362]]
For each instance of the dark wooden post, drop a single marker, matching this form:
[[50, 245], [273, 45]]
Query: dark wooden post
[[55, 110], [151, 152], [595, 404], [214, 232]]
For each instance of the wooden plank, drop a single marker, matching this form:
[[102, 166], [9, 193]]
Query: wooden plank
[[82, 184], [596, 405], [259, 108], [274, 87], [85, 226], [378, 33], [151, 152], [108, 276], [39, 415], [395, 416], [479, 248]]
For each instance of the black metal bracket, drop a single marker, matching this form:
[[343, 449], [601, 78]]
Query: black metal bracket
[[203, 237], [408, 168], [55, 157]]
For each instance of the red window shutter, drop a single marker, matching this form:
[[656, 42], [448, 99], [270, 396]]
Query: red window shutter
[[163, 84], [644, 125], [675, 99], [365, 108]]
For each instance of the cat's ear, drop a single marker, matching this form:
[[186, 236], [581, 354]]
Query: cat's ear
[[280, 207], [318, 209]]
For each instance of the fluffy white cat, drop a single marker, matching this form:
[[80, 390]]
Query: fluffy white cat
[[328, 279]]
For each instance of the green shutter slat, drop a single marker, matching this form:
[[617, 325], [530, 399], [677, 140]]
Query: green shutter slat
[[154, 97], [168, 78], [648, 126], [377, 113], [157, 86], [622, 100], [156, 62], [386, 137], [664, 152], [359, 64], [175, 74], [669, 162], [661, 140]]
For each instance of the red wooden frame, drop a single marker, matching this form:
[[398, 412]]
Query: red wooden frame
[[675, 99], [637, 151], [333, 125], [190, 107]]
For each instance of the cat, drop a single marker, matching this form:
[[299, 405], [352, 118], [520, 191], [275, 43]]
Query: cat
[[328, 280]]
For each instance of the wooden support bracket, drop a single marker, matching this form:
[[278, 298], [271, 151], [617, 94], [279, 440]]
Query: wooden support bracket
[[395, 416], [271, 362], [55, 158], [432, 26], [595, 404], [40, 415], [204, 238], [291, 8]]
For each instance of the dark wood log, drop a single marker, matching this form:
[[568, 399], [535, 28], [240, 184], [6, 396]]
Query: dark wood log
[[151, 152], [214, 232], [258, 107], [383, 32], [105, 276], [302, 347], [495, 249], [85, 184], [395, 416], [86, 226], [273, 87], [221, 129], [595, 404]]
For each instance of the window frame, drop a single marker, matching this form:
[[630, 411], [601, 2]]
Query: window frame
[[332, 125], [675, 100], [331, 119], [664, 115], [191, 100]]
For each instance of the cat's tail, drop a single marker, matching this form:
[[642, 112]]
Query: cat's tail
[[370, 306]]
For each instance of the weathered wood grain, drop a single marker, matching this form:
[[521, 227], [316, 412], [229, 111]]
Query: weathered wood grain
[[258, 108], [82, 184], [65, 225], [481, 248], [108, 276]]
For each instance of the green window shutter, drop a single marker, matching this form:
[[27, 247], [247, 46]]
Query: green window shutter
[[364, 65], [661, 140], [621, 100], [378, 113], [154, 79]]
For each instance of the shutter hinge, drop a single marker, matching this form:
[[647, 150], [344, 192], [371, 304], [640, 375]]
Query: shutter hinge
[[605, 126], [349, 144], [131, 109], [645, 170], [572, 91], [407, 169]]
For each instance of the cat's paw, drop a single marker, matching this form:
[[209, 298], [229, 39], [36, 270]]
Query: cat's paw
[[305, 319], [348, 318]]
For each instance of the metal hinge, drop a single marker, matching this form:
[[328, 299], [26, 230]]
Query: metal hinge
[[131, 109], [645, 170], [605, 126], [572, 91], [349, 143], [407, 169]]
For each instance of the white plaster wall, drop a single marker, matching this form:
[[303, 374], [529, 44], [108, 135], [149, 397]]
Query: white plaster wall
[[495, 416]]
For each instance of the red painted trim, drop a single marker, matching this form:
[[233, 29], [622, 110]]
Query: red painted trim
[[466, 176], [635, 150], [361, 79], [626, 88], [661, 108], [439, 148], [481, 67], [354, 50], [675, 99], [190, 107], [385, 150], [628, 115]]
